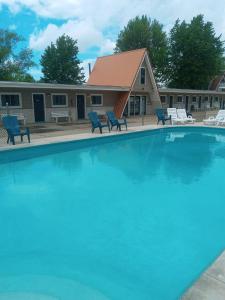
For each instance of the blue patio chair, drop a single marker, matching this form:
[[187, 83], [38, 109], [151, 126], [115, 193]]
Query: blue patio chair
[[12, 126], [116, 122], [161, 115], [96, 123]]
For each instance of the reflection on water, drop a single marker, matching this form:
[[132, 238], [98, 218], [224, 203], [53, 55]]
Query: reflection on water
[[180, 156], [183, 156]]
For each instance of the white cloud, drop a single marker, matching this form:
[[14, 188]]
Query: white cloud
[[107, 47], [85, 66], [105, 13], [36, 73], [84, 31], [96, 23]]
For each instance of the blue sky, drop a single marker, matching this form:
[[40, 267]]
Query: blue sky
[[95, 23]]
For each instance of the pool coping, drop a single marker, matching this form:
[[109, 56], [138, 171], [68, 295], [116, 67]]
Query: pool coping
[[86, 136], [211, 282], [76, 137]]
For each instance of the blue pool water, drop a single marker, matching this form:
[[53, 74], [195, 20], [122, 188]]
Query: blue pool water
[[127, 217]]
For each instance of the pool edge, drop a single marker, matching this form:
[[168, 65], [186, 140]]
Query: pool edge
[[89, 136]]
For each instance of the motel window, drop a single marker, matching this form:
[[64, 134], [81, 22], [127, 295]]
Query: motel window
[[179, 98], [163, 99], [96, 100], [194, 99], [206, 98], [142, 75], [59, 100], [216, 99], [13, 100]]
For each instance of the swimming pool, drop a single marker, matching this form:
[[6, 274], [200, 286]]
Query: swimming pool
[[138, 216]]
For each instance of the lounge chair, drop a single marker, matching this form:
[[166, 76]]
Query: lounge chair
[[160, 113], [181, 113], [174, 117], [96, 123], [219, 119], [12, 126], [116, 122]]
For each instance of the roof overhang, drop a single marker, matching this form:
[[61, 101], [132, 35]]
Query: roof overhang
[[38, 85], [189, 91]]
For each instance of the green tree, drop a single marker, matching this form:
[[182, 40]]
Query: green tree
[[196, 54], [14, 64], [141, 32], [60, 63]]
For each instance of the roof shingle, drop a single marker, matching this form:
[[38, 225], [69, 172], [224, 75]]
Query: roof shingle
[[118, 69]]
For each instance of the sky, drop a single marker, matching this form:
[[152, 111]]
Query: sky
[[95, 24]]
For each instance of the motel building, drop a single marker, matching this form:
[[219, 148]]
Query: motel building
[[122, 82]]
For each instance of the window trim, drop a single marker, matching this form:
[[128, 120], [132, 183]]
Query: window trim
[[181, 97], [59, 94], [165, 97], [9, 93], [145, 75], [196, 98], [101, 95]]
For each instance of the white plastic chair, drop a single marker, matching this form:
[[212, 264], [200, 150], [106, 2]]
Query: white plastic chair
[[182, 114], [174, 117], [219, 119]]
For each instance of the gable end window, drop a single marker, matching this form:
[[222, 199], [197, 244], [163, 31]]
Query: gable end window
[[96, 100], [142, 76], [59, 100], [13, 100]]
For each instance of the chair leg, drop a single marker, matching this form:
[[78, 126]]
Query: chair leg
[[28, 137], [21, 138], [12, 138], [100, 129]]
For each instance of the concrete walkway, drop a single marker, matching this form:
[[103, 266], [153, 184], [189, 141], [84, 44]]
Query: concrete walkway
[[50, 138], [211, 284]]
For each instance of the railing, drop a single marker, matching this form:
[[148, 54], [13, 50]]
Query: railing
[[3, 136]]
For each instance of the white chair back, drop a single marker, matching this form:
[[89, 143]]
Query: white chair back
[[172, 112], [221, 114], [181, 113]]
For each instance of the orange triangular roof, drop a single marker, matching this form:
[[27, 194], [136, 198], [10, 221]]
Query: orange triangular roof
[[119, 69]]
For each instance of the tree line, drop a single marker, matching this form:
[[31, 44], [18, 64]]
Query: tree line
[[189, 56]]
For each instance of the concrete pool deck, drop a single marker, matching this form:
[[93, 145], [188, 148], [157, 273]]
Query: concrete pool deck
[[48, 138], [211, 284]]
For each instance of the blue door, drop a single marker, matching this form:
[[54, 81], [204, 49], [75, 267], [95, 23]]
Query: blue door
[[39, 107]]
